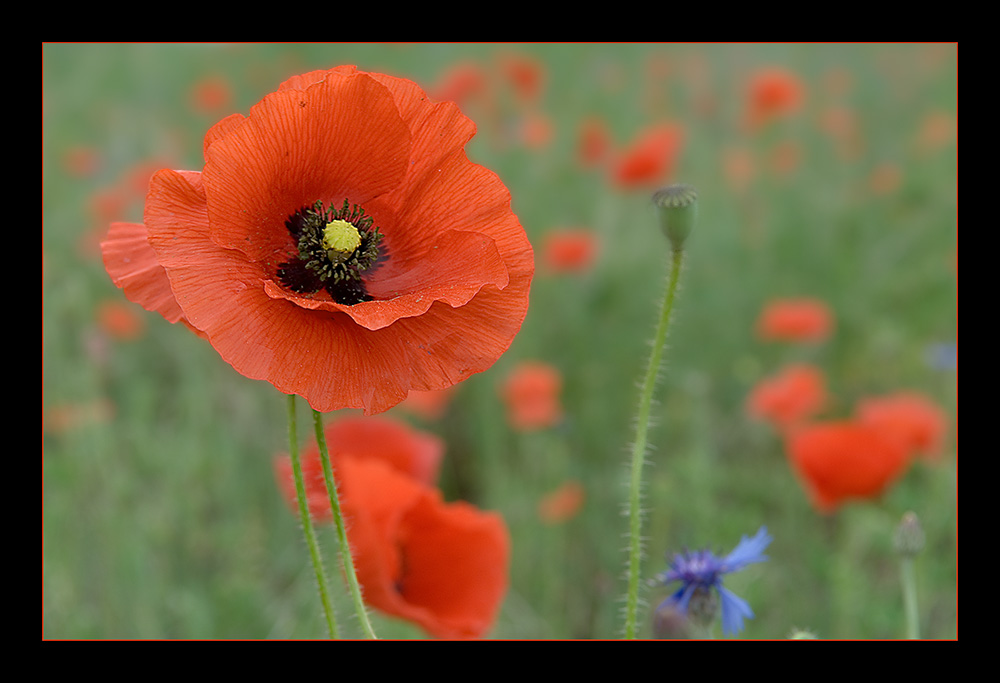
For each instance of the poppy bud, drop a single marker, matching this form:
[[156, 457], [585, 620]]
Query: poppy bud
[[909, 540], [678, 208]]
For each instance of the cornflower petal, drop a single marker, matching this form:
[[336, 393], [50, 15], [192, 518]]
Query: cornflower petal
[[734, 610], [747, 551]]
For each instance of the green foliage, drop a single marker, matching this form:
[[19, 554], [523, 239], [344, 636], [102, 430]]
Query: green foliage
[[161, 517]]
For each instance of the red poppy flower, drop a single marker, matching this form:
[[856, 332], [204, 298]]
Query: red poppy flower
[[795, 320], [81, 161], [885, 178], [562, 504], [593, 142], [909, 418], [408, 451], [120, 320], [532, 396], [525, 74], [771, 93], [338, 244], [840, 461], [569, 250], [443, 566], [460, 82], [429, 405], [211, 94], [651, 158], [788, 398]]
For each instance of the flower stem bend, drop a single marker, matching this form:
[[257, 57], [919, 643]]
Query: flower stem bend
[[639, 445], [338, 520], [307, 526]]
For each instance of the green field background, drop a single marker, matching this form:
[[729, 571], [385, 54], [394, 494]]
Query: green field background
[[161, 518]]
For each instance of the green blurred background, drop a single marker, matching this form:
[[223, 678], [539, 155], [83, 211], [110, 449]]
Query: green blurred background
[[161, 518]]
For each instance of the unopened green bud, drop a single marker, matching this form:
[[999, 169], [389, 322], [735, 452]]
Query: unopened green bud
[[801, 634], [909, 540], [678, 207]]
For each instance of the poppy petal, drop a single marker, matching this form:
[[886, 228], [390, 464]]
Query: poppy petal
[[131, 262], [442, 566], [339, 138]]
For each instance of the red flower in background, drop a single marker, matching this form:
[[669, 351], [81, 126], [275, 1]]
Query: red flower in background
[[535, 130], [562, 504], [787, 399], [525, 74], [772, 93], [650, 159], [209, 95], [460, 83], [909, 418], [569, 250], [531, 393], [428, 405], [338, 244], [841, 461], [413, 453], [120, 320], [795, 320], [593, 142]]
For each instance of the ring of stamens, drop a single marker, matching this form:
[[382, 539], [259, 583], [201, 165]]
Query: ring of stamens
[[335, 247]]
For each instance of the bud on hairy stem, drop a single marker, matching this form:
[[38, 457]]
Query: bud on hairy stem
[[678, 210], [677, 206]]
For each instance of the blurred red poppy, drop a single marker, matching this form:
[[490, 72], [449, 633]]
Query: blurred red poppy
[[531, 393], [937, 130], [795, 320], [338, 244], [81, 161], [525, 74], [120, 321], [413, 453], [443, 566], [562, 504], [66, 417], [535, 130], [211, 94], [429, 405], [650, 159], [885, 178], [841, 461], [593, 142], [790, 397], [459, 83], [569, 250], [772, 92], [911, 419]]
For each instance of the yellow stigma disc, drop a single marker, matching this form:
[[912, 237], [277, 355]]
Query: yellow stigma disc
[[341, 237]]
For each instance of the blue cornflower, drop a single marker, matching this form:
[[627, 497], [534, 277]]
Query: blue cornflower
[[701, 571]]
